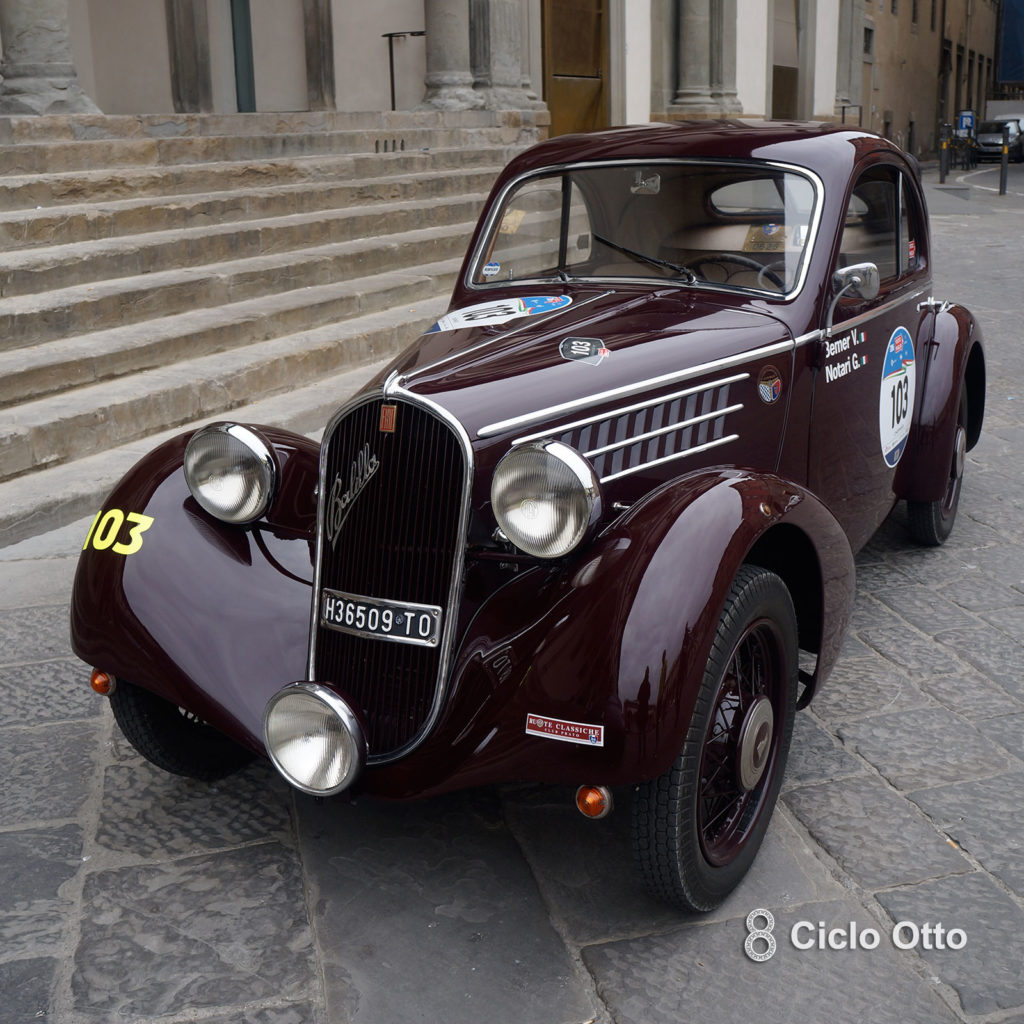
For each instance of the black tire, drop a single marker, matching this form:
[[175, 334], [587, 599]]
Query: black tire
[[931, 522], [697, 828], [172, 738]]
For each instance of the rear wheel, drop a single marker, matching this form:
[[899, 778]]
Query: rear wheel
[[697, 828], [931, 522], [172, 738]]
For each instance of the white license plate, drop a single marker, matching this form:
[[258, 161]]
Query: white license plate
[[401, 621]]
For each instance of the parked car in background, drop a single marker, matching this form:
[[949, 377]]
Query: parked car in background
[[989, 137], [595, 527]]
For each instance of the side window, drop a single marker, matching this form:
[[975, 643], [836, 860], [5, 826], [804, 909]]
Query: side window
[[880, 228], [871, 228]]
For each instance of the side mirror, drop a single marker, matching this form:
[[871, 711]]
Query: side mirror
[[860, 281]]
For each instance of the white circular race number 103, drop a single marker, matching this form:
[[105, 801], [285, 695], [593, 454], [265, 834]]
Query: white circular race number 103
[[896, 397]]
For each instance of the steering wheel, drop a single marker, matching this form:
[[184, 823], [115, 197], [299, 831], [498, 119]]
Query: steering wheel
[[764, 273]]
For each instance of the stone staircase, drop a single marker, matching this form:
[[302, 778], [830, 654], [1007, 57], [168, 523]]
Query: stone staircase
[[157, 273]]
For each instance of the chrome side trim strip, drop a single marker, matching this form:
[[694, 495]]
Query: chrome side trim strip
[[681, 425], [632, 389], [872, 313], [636, 407], [669, 458]]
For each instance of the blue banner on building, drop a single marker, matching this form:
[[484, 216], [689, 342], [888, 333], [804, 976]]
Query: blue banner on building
[[1011, 50]]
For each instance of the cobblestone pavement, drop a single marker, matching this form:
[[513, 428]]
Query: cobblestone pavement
[[132, 895]]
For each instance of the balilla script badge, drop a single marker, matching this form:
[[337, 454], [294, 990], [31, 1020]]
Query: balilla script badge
[[363, 467]]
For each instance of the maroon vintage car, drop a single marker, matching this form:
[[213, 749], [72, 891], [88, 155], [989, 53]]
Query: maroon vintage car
[[594, 527]]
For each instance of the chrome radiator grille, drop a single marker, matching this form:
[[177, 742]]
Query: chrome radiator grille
[[392, 503]]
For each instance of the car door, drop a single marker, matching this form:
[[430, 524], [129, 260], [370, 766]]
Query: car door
[[867, 376]]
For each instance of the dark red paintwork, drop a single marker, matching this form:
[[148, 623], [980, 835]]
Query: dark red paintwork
[[216, 617]]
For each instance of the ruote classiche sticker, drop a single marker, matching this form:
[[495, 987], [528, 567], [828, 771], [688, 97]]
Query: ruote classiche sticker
[[567, 732]]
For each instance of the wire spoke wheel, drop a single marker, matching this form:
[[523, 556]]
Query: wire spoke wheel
[[697, 828], [740, 743]]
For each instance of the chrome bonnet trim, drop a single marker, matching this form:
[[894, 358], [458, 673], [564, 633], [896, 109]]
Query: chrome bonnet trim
[[627, 390]]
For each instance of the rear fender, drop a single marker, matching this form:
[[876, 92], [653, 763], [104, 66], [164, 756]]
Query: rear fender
[[208, 615], [952, 362]]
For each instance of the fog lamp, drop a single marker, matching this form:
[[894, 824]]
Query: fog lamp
[[314, 738]]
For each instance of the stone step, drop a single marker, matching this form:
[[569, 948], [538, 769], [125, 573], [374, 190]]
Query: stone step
[[85, 359], [92, 419], [59, 495], [47, 268], [115, 218], [20, 129], [41, 191], [35, 319], [83, 154]]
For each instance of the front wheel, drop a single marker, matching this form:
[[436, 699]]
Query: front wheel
[[172, 738], [697, 828]]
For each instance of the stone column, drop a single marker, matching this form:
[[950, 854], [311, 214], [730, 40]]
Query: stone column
[[319, 53], [496, 54], [38, 69], [188, 40], [449, 78], [707, 59]]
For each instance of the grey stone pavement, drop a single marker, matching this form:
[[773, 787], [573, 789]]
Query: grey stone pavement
[[127, 894]]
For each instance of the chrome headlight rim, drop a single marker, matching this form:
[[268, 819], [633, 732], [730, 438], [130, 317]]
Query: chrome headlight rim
[[589, 491], [346, 718], [263, 463]]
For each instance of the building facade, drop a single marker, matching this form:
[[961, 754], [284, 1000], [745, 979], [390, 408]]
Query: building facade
[[900, 67]]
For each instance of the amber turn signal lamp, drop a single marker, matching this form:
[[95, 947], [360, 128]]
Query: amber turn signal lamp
[[594, 801], [101, 682]]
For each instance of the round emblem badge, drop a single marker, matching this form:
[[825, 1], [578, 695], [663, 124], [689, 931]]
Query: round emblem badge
[[896, 395], [769, 385]]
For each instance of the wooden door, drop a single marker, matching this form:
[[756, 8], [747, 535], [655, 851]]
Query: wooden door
[[575, 64]]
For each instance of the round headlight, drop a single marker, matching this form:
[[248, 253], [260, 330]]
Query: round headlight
[[314, 738], [230, 471], [545, 497]]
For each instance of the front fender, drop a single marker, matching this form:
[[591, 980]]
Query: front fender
[[953, 361], [210, 616], [618, 637]]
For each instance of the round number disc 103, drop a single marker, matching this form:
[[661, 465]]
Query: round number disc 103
[[896, 396]]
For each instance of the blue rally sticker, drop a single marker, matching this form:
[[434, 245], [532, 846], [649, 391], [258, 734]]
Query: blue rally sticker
[[896, 395], [485, 314]]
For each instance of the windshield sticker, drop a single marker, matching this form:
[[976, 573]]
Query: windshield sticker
[[491, 269], [765, 238], [844, 355], [486, 314], [568, 732], [896, 395], [769, 385], [584, 350]]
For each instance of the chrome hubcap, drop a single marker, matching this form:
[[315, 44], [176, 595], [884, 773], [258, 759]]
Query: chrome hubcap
[[755, 743], [959, 452]]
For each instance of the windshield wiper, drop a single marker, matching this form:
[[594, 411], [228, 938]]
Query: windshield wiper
[[684, 272]]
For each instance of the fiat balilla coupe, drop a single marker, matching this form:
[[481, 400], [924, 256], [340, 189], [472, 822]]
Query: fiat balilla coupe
[[594, 528]]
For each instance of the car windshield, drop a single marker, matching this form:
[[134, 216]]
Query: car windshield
[[996, 127], [743, 227]]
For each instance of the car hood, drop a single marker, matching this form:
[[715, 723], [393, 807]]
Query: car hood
[[536, 358]]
